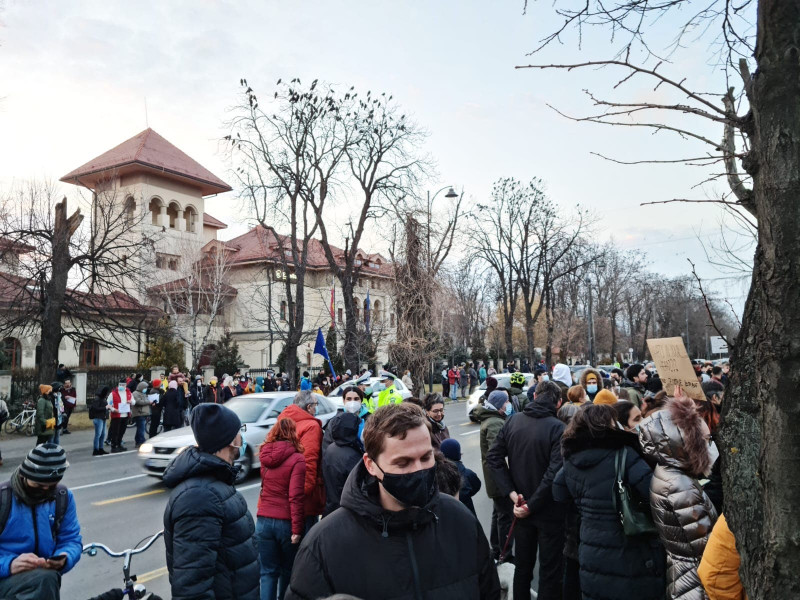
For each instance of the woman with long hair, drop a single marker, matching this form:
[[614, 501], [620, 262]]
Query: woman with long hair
[[612, 565], [281, 520]]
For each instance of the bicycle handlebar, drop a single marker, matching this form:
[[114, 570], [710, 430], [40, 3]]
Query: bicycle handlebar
[[129, 552]]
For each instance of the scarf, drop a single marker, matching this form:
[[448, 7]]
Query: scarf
[[21, 490]]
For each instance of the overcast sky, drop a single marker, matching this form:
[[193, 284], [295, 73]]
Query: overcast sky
[[74, 77]]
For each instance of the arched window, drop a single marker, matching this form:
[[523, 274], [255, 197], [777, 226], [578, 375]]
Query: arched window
[[13, 352], [377, 315], [190, 216], [89, 353], [366, 311], [130, 210], [172, 212], [155, 210]]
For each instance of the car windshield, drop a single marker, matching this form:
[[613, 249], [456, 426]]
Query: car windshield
[[505, 382], [248, 409]]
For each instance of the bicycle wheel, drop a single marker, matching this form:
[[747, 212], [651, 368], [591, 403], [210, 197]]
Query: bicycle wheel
[[11, 425], [29, 425]]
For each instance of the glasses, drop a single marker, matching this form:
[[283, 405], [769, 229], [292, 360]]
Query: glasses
[[438, 411], [243, 428]]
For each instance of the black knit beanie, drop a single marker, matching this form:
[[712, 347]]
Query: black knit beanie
[[214, 426]]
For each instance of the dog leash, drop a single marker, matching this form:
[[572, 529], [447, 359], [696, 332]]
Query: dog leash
[[508, 540]]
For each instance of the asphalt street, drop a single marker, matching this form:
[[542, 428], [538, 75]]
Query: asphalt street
[[119, 505]]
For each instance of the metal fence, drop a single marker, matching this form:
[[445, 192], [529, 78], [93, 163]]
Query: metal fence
[[24, 386], [110, 376]]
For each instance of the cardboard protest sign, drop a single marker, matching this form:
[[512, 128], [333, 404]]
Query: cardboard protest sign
[[674, 366]]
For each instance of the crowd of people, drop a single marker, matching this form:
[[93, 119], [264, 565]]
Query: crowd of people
[[611, 485]]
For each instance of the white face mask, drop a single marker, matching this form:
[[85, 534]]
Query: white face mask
[[713, 454], [353, 406]]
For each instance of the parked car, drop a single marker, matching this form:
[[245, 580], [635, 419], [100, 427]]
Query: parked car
[[257, 412], [503, 381], [337, 394]]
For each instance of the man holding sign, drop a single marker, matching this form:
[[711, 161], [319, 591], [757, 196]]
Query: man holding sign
[[674, 367]]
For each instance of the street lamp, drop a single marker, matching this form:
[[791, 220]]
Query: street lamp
[[451, 193]]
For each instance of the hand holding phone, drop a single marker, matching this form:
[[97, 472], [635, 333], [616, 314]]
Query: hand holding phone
[[57, 562]]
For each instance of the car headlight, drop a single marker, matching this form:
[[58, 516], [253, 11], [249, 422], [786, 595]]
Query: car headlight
[[145, 448]]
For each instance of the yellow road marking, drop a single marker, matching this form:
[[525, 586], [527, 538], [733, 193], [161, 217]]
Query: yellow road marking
[[114, 500], [467, 423], [151, 575]]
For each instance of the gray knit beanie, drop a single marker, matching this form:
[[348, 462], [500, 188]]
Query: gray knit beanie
[[46, 463], [497, 399]]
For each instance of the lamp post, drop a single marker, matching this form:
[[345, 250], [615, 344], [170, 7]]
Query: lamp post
[[590, 323]]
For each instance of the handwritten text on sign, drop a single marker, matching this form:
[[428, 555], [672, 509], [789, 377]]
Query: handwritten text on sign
[[674, 366]]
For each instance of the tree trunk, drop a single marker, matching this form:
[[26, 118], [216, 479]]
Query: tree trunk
[[530, 323], [760, 447], [508, 333], [548, 316], [613, 334], [55, 290], [350, 350]]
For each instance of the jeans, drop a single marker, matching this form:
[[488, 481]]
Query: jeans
[[549, 539], [276, 554], [57, 434], [38, 584], [99, 433], [464, 389], [155, 419], [68, 408], [141, 425], [454, 391]]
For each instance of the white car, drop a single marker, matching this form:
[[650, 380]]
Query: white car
[[257, 412], [337, 394], [503, 381]]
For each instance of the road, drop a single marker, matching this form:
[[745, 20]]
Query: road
[[119, 506]]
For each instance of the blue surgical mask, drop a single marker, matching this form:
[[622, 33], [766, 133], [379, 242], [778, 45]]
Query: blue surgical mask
[[509, 409], [591, 388], [545, 377]]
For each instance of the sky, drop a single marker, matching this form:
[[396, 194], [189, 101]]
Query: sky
[[77, 78]]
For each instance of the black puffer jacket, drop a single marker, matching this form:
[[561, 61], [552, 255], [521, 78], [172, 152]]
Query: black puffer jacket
[[416, 554], [98, 409], [208, 531], [612, 565], [532, 442], [339, 457]]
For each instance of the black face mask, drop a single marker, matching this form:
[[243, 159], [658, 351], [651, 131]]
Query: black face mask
[[38, 494], [411, 489]]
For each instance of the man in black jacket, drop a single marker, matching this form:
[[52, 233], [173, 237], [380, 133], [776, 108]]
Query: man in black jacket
[[532, 443], [410, 541], [208, 531]]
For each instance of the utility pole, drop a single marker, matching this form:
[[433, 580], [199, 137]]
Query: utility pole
[[687, 329], [590, 322]]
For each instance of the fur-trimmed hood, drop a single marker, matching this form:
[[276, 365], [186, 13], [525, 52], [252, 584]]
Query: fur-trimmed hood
[[585, 374], [675, 437]]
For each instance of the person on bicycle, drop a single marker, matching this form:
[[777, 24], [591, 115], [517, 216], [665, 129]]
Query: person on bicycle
[[39, 541]]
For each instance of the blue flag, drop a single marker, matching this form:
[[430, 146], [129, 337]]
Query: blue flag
[[321, 349]]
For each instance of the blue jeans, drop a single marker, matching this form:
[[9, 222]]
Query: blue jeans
[[141, 425], [454, 391], [276, 554], [99, 433]]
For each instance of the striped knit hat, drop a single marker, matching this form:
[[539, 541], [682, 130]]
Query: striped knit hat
[[45, 464]]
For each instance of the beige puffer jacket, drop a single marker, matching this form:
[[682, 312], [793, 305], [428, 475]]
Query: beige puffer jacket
[[682, 511]]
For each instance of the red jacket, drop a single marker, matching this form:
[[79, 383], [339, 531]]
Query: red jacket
[[309, 432], [452, 377], [283, 473], [115, 399]]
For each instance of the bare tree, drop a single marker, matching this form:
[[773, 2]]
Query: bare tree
[[71, 281]]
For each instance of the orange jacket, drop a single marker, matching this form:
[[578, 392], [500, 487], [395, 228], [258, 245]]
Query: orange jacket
[[309, 432], [719, 569]]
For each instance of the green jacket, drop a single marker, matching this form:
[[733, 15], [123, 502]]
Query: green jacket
[[492, 422], [521, 398], [389, 396], [44, 411]]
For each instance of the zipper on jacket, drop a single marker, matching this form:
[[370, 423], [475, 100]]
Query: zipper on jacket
[[35, 531], [414, 569]]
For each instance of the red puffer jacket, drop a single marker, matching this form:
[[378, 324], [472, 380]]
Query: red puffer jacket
[[309, 432], [283, 472]]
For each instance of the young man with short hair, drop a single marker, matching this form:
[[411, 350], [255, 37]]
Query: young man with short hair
[[393, 519]]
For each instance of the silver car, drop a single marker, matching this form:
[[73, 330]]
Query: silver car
[[257, 412], [503, 381]]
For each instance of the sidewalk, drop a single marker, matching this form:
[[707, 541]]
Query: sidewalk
[[15, 447]]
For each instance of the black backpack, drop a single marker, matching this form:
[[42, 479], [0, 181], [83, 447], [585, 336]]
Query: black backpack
[[62, 502]]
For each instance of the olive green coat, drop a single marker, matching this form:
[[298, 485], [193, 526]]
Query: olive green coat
[[491, 422], [44, 411]]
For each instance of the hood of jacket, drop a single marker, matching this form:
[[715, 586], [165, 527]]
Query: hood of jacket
[[102, 392], [344, 430], [609, 440], [194, 463], [674, 437], [562, 373], [360, 495], [274, 454], [539, 410], [627, 383], [297, 414], [585, 373], [484, 414], [142, 387]]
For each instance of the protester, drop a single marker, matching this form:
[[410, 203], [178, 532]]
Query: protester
[[353, 404], [481, 374], [98, 413], [339, 458], [470, 483], [591, 381], [140, 410], [407, 381], [280, 522], [197, 393], [636, 378], [44, 422], [120, 408], [562, 376], [309, 432], [41, 538], [305, 381], [492, 416], [156, 398], [473, 378], [518, 398], [452, 381], [434, 407], [628, 415], [719, 567], [463, 380], [531, 442], [613, 566], [393, 522], [70, 397], [172, 411], [228, 389], [605, 396], [212, 391], [679, 440], [58, 409], [448, 479], [653, 403], [208, 531]]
